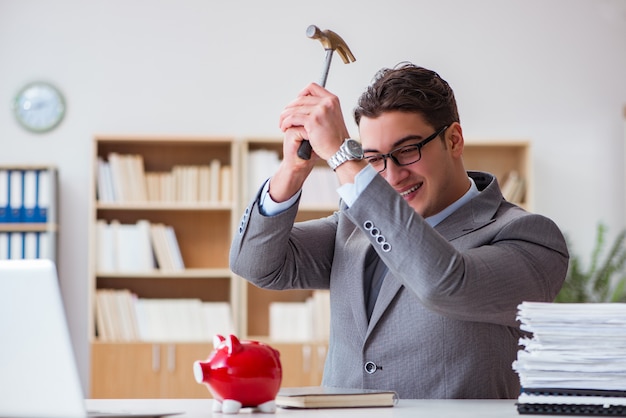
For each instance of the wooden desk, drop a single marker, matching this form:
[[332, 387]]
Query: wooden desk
[[407, 408]]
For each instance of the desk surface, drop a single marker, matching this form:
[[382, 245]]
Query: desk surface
[[406, 408]]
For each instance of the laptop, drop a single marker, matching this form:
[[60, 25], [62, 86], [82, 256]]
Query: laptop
[[38, 372]]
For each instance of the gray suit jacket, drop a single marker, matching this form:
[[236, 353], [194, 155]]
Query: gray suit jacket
[[444, 324]]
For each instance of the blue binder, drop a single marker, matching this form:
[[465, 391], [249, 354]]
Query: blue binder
[[44, 195], [16, 195], [4, 196], [29, 201]]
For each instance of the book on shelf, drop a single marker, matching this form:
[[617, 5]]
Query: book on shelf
[[136, 248], [301, 321], [262, 163], [513, 188], [574, 358], [122, 178], [226, 179], [122, 316], [319, 189], [332, 397]]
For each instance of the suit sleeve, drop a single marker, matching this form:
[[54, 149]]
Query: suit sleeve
[[273, 253]]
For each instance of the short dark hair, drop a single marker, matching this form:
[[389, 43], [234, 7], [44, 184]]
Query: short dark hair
[[409, 88]]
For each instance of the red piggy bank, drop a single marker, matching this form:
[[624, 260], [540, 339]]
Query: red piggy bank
[[240, 374]]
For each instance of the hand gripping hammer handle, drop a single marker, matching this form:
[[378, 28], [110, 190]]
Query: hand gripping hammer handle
[[331, 42], [305, 149]]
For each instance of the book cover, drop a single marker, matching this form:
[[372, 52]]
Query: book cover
[[332, 397]]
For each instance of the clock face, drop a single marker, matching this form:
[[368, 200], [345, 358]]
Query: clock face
[[39, 107]]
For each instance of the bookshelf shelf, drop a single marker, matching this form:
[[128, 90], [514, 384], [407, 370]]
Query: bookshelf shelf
[[195, 207], [28, 227], [190, 273]]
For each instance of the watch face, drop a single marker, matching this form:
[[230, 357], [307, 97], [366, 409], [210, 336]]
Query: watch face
[[39, 107], [355, 148]]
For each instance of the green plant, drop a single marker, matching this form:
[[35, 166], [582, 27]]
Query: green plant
[[605, 278]]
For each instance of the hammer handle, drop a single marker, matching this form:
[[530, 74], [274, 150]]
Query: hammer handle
[[304, 151]]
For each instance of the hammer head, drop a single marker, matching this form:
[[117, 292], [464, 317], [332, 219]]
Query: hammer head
[[331, 41]]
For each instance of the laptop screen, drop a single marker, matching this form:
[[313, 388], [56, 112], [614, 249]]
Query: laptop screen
[[38, 374]]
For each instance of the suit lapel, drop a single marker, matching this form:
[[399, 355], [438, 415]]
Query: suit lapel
[[357, 246], [388, 291]]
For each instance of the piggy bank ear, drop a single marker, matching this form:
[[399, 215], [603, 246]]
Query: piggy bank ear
[[233, 344], [218, 340]]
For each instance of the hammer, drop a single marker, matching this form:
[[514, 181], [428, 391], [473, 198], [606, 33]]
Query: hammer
[[331, 42]]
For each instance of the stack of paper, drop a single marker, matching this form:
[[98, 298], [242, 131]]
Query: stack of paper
[[575, 361]]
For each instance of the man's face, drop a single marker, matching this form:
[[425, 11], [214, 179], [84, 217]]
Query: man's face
[[432, 183]]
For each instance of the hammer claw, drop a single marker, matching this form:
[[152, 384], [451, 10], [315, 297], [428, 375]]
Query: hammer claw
[[345, 55]]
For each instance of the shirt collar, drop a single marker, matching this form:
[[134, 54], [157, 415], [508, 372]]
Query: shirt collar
[[469, 195]]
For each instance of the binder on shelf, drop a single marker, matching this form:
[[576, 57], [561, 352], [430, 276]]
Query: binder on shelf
[[4, 245], [29, 207], [45, 195], [45, 249], [30, 245], [4, 196], [16, 193], [16, 245]]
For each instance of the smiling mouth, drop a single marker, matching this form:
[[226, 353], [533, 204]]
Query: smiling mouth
[[411, 190]]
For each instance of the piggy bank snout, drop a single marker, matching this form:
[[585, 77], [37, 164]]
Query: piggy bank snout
[[201, 371]]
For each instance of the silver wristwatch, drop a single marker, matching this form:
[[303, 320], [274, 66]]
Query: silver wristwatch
[[349, 150]]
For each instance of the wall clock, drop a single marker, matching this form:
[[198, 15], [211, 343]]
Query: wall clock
[[39, 106]]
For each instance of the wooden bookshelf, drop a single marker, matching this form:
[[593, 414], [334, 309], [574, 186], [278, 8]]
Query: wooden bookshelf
[[204, 232], [502, 158]]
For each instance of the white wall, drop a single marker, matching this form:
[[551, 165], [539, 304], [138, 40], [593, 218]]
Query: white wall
[[553, 72]]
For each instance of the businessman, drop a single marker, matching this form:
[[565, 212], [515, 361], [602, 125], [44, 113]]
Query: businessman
[[426, 262]]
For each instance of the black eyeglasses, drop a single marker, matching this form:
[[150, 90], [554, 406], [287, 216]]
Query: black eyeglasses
[[405, 155]]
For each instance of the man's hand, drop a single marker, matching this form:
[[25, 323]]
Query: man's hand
[[316, 116]]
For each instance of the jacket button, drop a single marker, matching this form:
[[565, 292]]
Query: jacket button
[[370, 367]]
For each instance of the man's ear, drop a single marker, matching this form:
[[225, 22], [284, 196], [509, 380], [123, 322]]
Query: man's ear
[[454, 139]]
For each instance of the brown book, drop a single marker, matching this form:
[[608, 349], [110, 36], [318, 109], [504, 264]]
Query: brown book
[[331, 397]]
